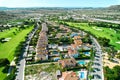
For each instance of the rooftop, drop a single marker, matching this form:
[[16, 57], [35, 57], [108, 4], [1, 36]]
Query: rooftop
[[70, 75]]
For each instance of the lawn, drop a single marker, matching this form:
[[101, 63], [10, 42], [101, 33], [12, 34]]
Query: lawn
[[7, 50], [100, 32]]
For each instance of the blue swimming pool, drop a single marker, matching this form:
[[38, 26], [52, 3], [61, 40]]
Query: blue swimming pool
[[81, 62], [54, 52], [87, 53], [56, 59], [82, 75]]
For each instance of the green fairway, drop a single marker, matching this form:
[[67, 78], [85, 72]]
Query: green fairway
[[100, 32], [7, 50], [7, 33]]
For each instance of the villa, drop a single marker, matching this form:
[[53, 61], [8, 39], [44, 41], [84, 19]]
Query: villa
[[73, 53], [67, 63], [74, 46], [72, 50], [78, 42], [65, 28], [69, 75], [59, 35], [42, 55], [77, 37]]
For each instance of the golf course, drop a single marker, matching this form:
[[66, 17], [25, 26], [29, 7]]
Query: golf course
[[7, 49], [108, 33]]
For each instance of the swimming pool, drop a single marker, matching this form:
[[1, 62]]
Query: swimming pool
[[55, 52], [56, 59], [87, 53], [81, 62], [82, 75]]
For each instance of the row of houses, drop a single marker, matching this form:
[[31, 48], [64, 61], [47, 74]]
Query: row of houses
[[41, 47], [71, 62], [73, 49], [70, 50]]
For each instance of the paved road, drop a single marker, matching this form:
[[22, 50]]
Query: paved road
[[109, 21], [97, 63], [102, 20], [21, 66]]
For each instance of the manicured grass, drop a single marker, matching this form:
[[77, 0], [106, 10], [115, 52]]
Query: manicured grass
[[100, 32], [7, 50], [8, 33]]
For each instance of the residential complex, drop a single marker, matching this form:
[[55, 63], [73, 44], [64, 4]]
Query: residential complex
[[41, 47], [69, 52], [59, 43]]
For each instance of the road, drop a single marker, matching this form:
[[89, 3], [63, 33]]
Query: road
[[22, 61], [102, 20], [109, 21], [97, 63]]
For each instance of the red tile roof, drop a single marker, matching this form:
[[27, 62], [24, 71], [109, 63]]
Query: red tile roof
[[72, 51], [67, 62], [77, 37], [69, 76], [42, 41]]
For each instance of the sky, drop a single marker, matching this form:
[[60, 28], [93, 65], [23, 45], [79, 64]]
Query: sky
[[58, 3]]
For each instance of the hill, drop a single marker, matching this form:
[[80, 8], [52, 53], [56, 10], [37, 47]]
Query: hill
[[114, 7]]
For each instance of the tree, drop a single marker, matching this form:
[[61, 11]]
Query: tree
[[4, 62], [112, 74], [104, 41], [10, 77], [14, 33]]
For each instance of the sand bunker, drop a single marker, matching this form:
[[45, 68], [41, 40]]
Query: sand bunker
[[98, 29], [118, 42]]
